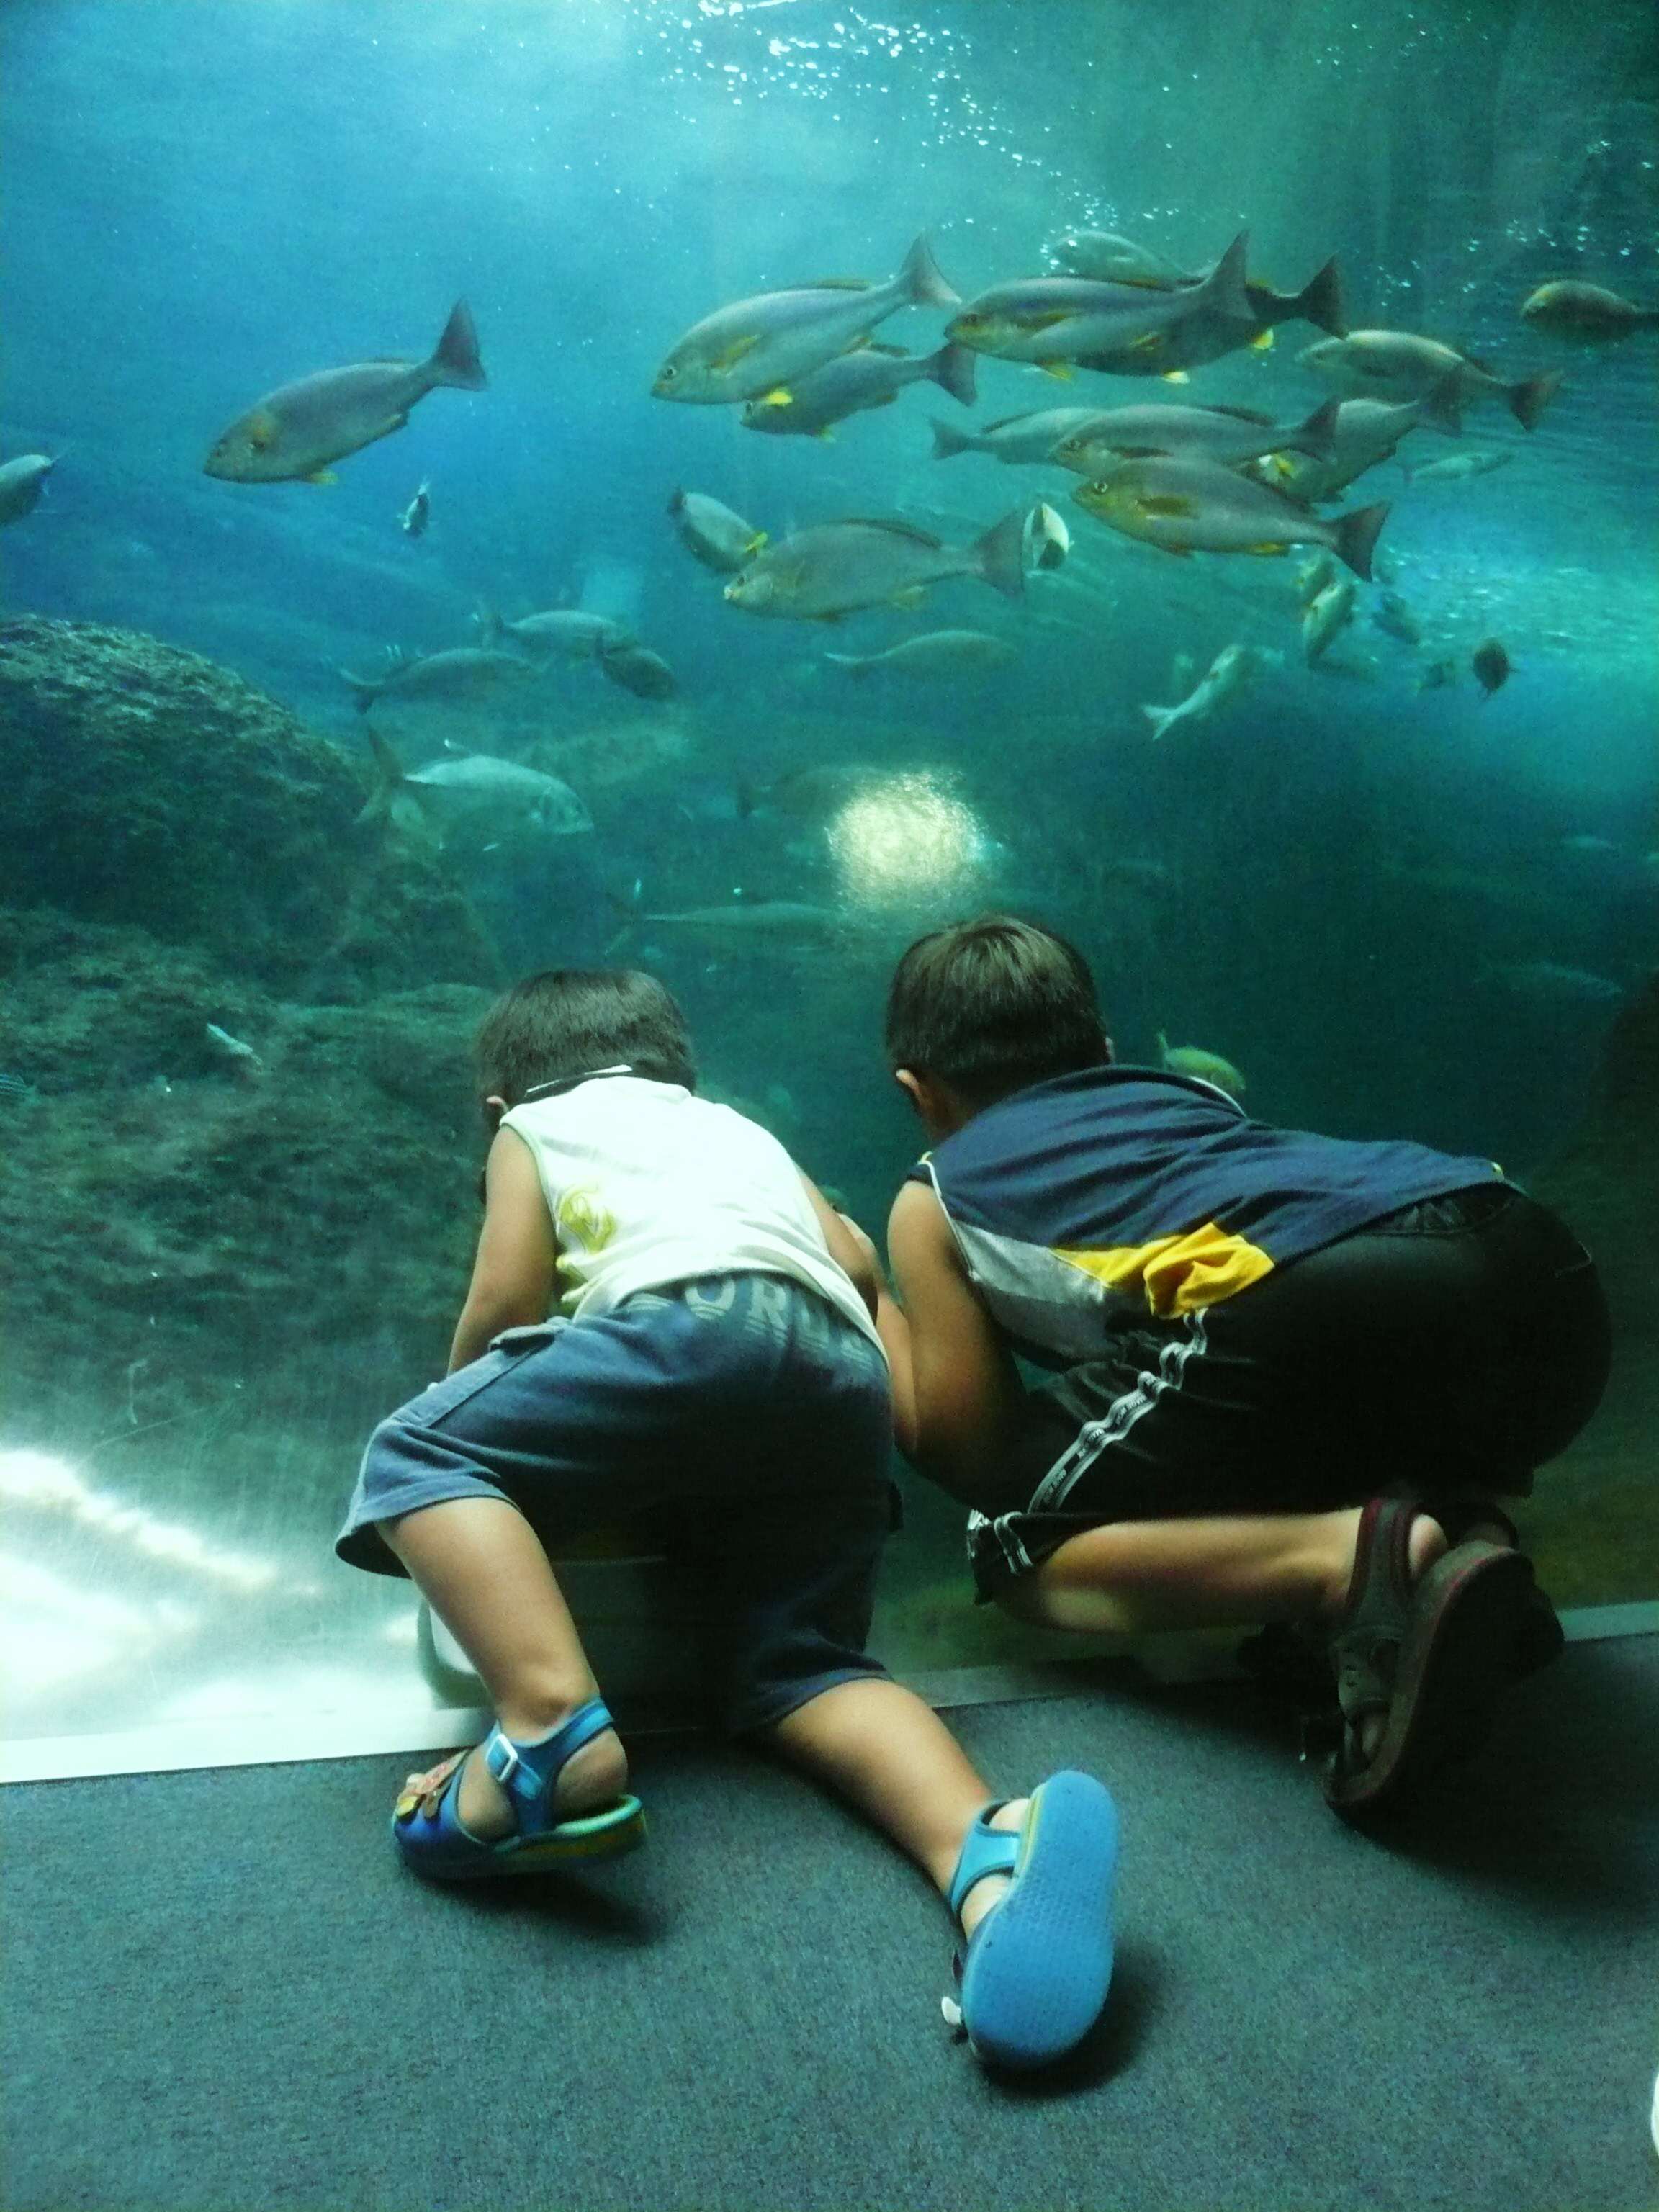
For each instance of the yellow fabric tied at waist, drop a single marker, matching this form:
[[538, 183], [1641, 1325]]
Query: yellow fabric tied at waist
[[1179, 1275]]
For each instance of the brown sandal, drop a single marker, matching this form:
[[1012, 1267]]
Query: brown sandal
[[1430, 1660]]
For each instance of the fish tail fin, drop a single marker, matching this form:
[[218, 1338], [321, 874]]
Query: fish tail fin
[[1405, 468], [676, 499], [952, 369], [919, 279], [364, 689], [1160, 718], [1528, 399], [455, 360], [747, 797], [948, 439], [1223, 289], [1440, 408], [1356, 534], [1319, 301], [1163, 1041], [999, 555], [1317, 435], [491, 627], [855, 663]]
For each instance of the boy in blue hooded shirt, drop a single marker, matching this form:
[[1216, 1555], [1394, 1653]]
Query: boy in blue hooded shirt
[[1290, 1372]]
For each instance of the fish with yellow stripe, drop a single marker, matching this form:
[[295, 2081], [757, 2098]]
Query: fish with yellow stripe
[[1184, 505], [754, 349], [294, 433]]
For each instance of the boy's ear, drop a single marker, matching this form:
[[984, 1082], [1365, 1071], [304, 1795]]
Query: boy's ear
[[910, 1085], [493, 1110]]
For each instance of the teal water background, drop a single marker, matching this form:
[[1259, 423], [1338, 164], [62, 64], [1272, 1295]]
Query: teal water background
[[1335, 883]]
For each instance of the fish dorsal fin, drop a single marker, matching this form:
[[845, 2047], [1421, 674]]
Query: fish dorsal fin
[[1143, 282], [898, 529], [1003, 421], [895, 353], [1242, 414], [837, 284]]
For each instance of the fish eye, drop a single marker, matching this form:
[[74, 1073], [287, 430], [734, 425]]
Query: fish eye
[[668, 373]]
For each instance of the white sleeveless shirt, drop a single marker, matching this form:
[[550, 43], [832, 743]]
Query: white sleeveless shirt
[[648, 1184]]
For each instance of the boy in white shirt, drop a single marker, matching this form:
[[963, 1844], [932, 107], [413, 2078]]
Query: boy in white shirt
[[669, 1325]]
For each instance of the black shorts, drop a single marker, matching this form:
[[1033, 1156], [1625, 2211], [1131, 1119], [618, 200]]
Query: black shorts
[[1454, 1345]]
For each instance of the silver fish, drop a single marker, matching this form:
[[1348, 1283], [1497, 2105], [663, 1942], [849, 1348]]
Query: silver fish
[[762, 921], [416, 516], [1187, 506], [837, 567], [461, 675], [1399, 366], [1550, 983], [719, 539], [22, 483], [1111, 259], [478, 787], [1330, 612], [874, 377], [1016, 439], [294, 433], [638, 669], [758, 346], [1233, 668], [1366, 431], [1568, 309], [1456, 467], [1228, 435], [1055, 321], [566, 630], [939, 653]]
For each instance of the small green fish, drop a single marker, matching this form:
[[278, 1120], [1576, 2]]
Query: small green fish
[[1204, 1067], [293, 434]]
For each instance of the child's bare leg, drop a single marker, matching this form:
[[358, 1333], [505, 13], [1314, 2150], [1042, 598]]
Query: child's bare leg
[[481, 1568], [881, 1745], [1133, 1575]]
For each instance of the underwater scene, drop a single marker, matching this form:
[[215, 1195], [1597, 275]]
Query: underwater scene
[[723, 487]]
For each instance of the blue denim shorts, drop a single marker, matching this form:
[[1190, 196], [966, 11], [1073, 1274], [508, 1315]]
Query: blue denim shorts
[[737, 1422]]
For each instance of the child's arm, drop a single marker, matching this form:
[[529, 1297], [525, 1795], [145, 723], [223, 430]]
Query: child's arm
[[966, 1395], [514, 1277], [855, 1255]]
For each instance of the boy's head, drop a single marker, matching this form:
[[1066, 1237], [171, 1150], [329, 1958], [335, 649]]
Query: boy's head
[[986, 1007], [568, 1021]]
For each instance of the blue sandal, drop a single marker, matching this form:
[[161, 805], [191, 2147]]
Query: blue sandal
[[1035, 1973], [436, 1842]]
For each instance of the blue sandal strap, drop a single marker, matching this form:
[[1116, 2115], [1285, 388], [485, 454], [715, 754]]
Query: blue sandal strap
[[985, 1849], [528, 1770]]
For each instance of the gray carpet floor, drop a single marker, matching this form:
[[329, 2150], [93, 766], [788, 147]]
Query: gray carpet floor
[[221, 1991]]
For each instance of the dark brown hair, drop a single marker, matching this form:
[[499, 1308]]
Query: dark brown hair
[[991, 1004], [566, 1021]]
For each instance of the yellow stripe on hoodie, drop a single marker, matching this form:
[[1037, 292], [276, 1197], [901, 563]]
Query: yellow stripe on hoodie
[[1179, 1275]]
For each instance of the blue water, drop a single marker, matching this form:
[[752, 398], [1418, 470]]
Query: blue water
[[204, 204]]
